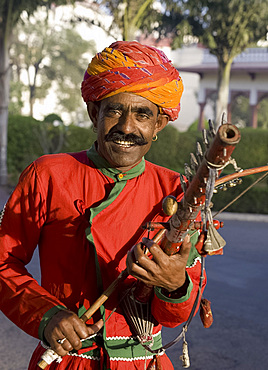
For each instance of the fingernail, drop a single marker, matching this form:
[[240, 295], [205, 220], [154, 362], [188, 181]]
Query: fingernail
[[147, 242], [187, 238]]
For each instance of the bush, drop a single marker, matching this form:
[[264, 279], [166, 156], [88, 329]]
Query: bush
[[29, 139], [23, 145], [253, 201], [78, 138]]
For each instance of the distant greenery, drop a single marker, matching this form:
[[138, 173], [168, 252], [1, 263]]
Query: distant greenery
[[28, 139], [171, 150], [241, 112]]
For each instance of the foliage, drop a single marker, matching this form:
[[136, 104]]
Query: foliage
[[194, 126], [23, 145], [263, 114], [241, 112], [48, 54], [78, 138], [52, 117], [253, 201], [172, 149], [16, 89], [130, 15], [28, 139]]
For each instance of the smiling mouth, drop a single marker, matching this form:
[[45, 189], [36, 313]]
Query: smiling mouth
[[123, 143]]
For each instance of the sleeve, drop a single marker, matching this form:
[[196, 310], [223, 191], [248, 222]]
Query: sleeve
[[22, 299], [171, 312]]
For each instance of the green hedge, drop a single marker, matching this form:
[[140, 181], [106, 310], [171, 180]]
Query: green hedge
[[27, 136], [171, 150], [23, 144]]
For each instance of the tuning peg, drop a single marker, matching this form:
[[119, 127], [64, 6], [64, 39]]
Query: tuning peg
[[199, 152], [188, 172], [194, 163], [212, 131], [205, 138], [183, 183]]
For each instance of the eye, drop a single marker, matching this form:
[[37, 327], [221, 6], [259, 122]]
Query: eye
[[113, 113], [142, 117]]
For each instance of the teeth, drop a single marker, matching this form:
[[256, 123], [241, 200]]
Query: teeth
[[124, 143]]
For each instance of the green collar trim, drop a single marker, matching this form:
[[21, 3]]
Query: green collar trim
[[111, 172]]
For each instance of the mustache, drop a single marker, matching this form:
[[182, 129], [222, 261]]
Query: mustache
[[118, 135]]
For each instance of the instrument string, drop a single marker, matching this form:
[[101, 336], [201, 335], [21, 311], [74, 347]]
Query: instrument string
[[241, 194]]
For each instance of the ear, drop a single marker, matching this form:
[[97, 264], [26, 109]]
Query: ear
[[162, 121], [93, 112]]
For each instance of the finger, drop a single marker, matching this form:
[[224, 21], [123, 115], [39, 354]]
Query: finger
[[130, 262], [66, 345], [185, 247], [138, 252], [93, 329], [71, 337], [80, 328], [159, 256], [135, 257], [61, 348]]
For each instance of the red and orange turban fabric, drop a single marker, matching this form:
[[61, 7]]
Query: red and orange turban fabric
[[132, 67]]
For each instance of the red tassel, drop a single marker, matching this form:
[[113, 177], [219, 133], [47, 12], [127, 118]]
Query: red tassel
[[206, 313], [155, 363]]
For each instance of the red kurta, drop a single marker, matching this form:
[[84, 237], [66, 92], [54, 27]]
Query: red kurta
[[51, 207]]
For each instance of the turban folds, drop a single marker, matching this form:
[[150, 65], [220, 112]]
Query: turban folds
[[134, 68]]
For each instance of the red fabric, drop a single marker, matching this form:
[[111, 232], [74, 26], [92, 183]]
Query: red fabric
[[78, 363], [50, 207]]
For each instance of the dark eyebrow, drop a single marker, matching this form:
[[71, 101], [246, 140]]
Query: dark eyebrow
[[144, 110], [114, 106]]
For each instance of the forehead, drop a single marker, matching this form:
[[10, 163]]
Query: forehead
[[129, 100]]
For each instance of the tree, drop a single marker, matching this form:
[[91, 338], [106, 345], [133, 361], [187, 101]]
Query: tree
[[50, 53], [226, 28], [129, 15], [10, 11]]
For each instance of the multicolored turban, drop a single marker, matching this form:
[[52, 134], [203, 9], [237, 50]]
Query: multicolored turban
[[132, 67]]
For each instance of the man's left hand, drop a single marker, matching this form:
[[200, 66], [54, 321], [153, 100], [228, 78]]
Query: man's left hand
[[164, 271]]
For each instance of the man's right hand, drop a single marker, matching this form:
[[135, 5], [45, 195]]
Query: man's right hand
[[66, 324]]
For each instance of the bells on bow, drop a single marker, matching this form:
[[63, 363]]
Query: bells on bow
[[214, 241]]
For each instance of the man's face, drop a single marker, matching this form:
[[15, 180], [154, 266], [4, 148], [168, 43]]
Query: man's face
[[126, 124]]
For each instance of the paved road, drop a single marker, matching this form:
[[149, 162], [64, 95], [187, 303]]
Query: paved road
[[237, 287]]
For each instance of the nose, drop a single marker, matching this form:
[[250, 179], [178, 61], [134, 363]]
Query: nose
[[126, 123]]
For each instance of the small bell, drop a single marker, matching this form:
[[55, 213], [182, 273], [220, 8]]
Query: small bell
[[214, 241]]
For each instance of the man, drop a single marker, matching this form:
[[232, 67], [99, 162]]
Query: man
[[84, 211]]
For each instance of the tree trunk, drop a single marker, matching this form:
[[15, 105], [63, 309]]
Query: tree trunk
[[4, 99], [222, 90]]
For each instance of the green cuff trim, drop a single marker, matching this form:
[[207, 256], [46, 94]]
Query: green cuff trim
[[45, 319], [160, 295]]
